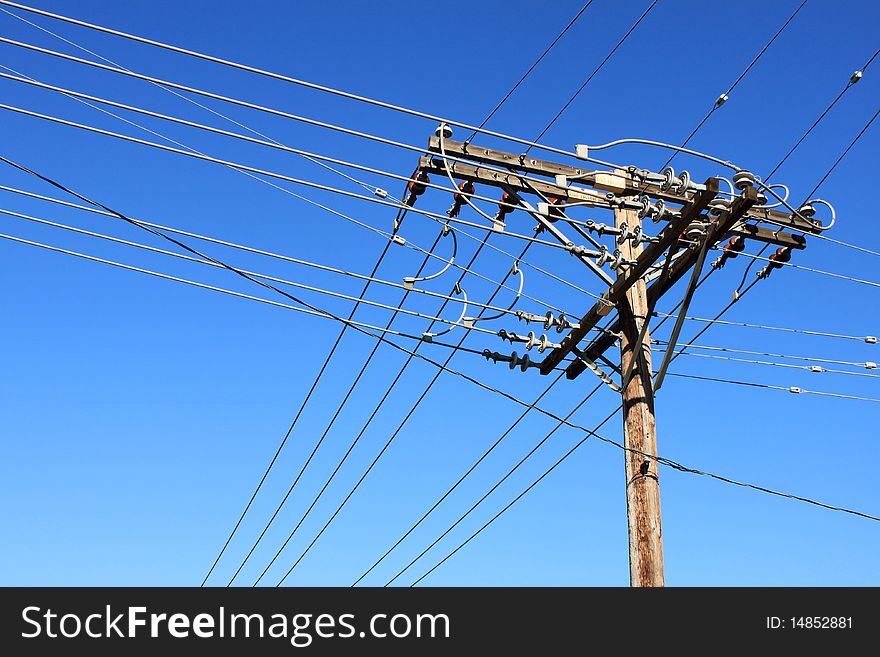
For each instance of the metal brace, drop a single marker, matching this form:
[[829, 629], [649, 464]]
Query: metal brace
[[595, 369]]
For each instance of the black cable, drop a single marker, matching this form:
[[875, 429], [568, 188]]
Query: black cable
[[593, 74], [530, 69], [387, 444], [517, 498], [473, 467], [499, 482], [294, 422], [332, 420], [356, 439], [305, 401], [850, 83], [843, 155], [736, 82], [663, 461]]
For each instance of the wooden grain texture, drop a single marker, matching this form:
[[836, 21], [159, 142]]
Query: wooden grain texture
[[639, 432]]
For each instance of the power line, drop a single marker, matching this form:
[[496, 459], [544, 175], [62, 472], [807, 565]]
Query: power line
[[810, 359], [531, 68], [494, 487], [473, 467], [281, 77], [404, 367], [672, 464], [266, 277], [792, 389], [593, 74], [286, 258], [491, 389], [794, 265], [241, 247], [241, 295], [371, 188], [308, 183], [266, 142], [843, 154], [808, 368], [849, 84], [369, 469], [326, 431], [661, 460], [866, 339], [723, 98]]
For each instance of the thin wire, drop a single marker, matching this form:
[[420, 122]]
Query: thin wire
[[371, 188], [770, 387], [308, 183], [327, 429], [284, 78], [268, 142], [765, 327], [269, 254], [593, 74], [265, 277], [736, 82], [473, 467], [369, 469], [808, 368], [843, 154], [530, 69], [809, 359], [495, 486], [660, 460], [664, 461], [813, 270], [213, 288], [336, 190]]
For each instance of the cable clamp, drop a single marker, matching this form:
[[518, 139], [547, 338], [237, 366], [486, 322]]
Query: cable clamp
[[795, 390], [381, 193], [398, 239], [871, 339], [870, 365]]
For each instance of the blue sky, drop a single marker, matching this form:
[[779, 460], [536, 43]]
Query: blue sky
[[138, 414]]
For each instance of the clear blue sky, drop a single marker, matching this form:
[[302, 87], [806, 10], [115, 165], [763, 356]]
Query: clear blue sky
[[137, 414]]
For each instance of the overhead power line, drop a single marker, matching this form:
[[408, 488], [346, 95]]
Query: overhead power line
[[531, 68], [824, 334], [843, 154], [309, 183], [723, 98], [792, 389], [265, 142], [324, 434], [282, 77], [509, 473], [378, 456], [593, 74], [248, 249], [261, 276]]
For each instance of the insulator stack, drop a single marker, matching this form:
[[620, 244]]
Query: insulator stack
[[417, 186], [458, 198], [505, 206], [777, 260], [730, 250]]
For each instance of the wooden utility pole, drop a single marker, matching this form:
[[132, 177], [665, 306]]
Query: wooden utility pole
[[639, 429], [673, 203]]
